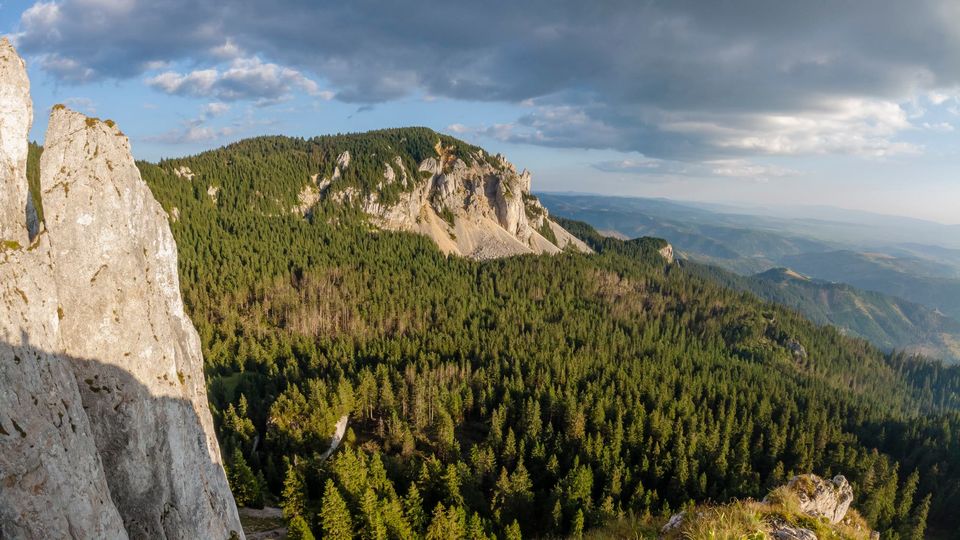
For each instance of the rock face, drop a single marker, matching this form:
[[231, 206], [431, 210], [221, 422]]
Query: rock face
[[105, 430], [483, 210], [667, 253], [786, 532], [16, 116], [823, 498]]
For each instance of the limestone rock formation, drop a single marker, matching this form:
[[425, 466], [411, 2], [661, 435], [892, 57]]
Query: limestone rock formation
[[785, 513], [823, 498], [667, 253], [787, 532], [16, 117], [105, 430], [481, 210]]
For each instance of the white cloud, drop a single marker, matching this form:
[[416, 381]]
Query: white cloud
[[215, 109], [737, 168], [741, 168], [244, 78], [82, 104], [196, 83], [192, 134], [675, 80], [848, 126], [67, 68], [941, 127], [45, 15], [227, 51]]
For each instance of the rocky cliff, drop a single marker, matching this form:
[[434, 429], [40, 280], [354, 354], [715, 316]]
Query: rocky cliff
[[481, 210], [105, 430]]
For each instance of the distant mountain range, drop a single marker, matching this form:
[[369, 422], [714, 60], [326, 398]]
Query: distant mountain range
[[886, 321], [895, 290]]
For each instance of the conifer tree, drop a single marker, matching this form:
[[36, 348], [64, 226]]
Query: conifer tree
[[298, 529], [294, 497], [243, 483], [334, 515]]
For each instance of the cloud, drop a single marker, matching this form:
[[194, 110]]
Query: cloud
[[192, 134], [640, 165], [244, 79], [683, 79], [741, 168], [723, 168], [198, 83], [83, 104], [200, 130], [214, 109]]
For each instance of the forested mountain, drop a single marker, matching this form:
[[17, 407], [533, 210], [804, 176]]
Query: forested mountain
[[534, 395], [468, 202], [936, 286], [886, 321]]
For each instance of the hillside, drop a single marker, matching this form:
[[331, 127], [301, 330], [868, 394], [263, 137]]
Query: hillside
[[468, 202], [886, 321], [534, 395], [911, 279]]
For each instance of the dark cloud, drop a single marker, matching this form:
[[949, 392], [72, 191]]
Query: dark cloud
[[670, 78]]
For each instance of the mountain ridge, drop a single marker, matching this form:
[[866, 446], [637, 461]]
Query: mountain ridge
[[468, 202]]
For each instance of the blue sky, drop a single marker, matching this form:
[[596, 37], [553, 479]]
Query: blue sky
[[850, 104]]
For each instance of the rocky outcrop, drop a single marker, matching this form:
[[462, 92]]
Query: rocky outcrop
[[184, 172], [482, 210], [105, 430], [788, 532], [785, 513], [16, 117], [823, 498], [667, 253]]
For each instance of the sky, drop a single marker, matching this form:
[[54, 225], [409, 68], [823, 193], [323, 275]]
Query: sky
[[846, 103]]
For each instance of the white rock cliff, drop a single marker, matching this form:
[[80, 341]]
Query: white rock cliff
[[479, 210], [105, 430]]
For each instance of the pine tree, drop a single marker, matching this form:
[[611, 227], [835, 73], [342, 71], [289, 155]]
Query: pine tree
[[451, 483], [413, 508], [374, 527], [446, 523], [918, 522], [294, 497], [334, 514], [512, 532], [298, 529], [243, 483], [907, 491], [578, 525]]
